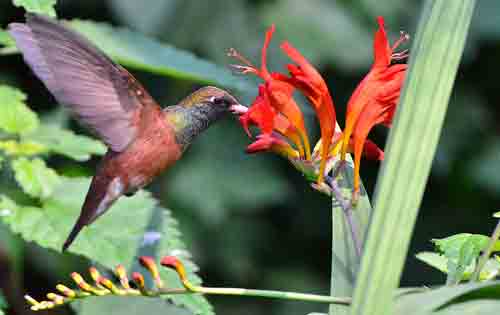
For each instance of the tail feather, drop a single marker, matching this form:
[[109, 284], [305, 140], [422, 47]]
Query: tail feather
[[102, 193]]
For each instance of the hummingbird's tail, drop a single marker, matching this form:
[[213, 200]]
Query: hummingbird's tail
[[102, 193]]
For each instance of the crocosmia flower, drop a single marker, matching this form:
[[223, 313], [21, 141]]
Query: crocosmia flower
[[374, 100], [281, 123]]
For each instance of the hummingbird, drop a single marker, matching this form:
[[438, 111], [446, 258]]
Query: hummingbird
[[142, 138]]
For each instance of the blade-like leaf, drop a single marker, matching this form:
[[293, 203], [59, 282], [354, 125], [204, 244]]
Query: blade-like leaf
[[111, 240], [34, 177], [15, 116], [446, 298], [65, 142], [410, 149], [138, 51], [45, 7], [345, 260]]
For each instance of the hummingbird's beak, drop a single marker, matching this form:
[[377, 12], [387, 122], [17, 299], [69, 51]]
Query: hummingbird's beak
[[238, 109]]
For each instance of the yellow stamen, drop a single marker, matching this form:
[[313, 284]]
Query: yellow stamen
[[336, 148]]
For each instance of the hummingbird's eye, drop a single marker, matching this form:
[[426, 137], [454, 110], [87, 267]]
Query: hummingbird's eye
[[217, 100]]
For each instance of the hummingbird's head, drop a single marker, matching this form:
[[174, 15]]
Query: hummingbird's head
[[211, 97]]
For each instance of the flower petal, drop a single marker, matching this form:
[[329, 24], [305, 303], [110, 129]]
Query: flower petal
[[272, 142], [382, 49], [306, 78]]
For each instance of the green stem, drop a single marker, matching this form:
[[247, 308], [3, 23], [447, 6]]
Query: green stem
[[283, 295], [486, 253]]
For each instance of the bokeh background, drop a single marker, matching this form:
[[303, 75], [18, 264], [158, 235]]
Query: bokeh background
[[252, 221]]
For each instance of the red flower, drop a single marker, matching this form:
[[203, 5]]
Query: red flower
[[374, 100], [307, 79], [281, 123], [279, 96]]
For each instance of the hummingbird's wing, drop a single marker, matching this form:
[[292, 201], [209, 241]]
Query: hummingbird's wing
[[102, 94]]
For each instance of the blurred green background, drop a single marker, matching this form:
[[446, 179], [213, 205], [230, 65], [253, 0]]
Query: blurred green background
[[252, 221]]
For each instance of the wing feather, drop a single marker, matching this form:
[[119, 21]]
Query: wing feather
[[102, 94]]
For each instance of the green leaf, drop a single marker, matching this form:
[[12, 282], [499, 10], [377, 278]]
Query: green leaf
[[116, 305], [434, 260], [113, 239], [5, 39], [411, 146], [26, 148], [15, 116], [34, 177], [447, 298], [3, 303], [496, 215], [66, 142], [345, 261], [482, 307], [440, 262], [45, 7], [451, 245], [138, 51], [461, 251]]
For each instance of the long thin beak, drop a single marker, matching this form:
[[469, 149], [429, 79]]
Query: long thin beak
[[238, 109]]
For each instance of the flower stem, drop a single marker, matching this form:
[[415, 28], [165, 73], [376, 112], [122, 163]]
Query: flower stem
[[486, 253], [273, 294], [346, 206]]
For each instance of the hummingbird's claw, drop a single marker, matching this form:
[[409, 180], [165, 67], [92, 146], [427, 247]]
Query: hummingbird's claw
[[238, 109]]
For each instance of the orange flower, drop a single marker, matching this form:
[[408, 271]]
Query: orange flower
[[279, 95], [281, 123], [374, 100], [307, 79]]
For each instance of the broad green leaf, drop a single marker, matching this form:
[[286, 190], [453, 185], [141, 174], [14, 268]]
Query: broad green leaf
[[16, 148], [445, 298], [440, 262], [15, 116], [138, 51], [490, 270], [461, 250], [34, 177], [66, 142], [411, 146], [434, 260], [116, 305], [452, 244], [113, 239], [45, 7], [496, 215]]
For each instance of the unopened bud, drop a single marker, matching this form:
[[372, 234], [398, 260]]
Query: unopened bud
[[149, 263]]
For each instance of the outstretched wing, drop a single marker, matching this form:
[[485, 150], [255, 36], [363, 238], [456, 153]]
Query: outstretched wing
[[102, 94]]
